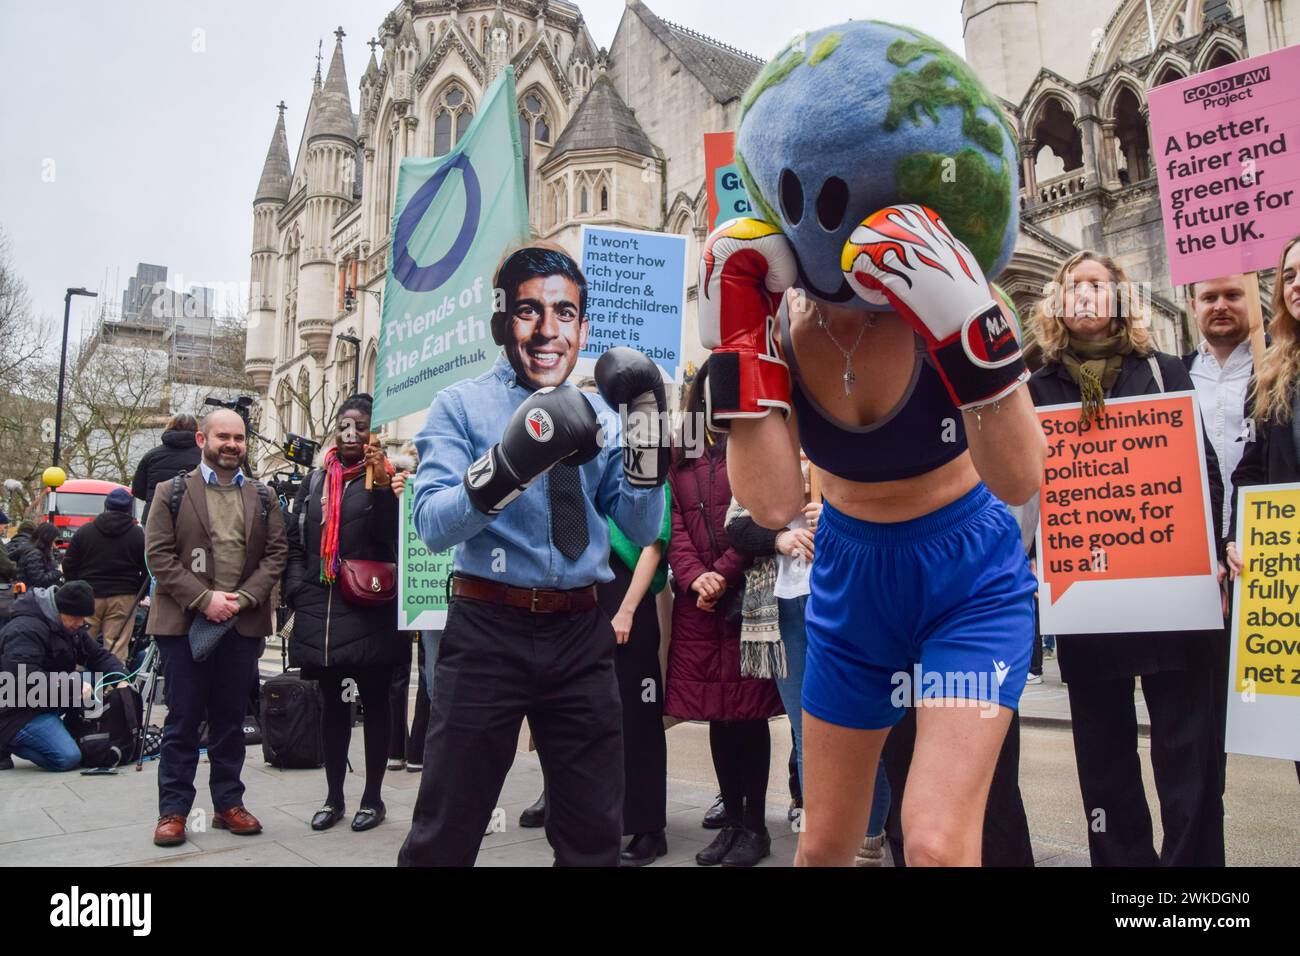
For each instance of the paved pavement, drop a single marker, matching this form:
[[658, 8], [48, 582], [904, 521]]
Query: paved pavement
[[68, 819]]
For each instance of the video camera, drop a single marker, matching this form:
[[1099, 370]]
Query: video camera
[[296, 449]]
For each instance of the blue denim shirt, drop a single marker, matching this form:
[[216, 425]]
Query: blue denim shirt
[[464, 421]]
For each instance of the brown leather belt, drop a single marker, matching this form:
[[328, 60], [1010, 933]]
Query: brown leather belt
[[537, 600]]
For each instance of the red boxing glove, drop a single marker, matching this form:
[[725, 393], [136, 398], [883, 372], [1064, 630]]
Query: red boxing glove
[[932, 280], [745, 269]]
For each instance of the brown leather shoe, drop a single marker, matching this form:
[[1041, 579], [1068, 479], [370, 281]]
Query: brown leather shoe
[[170, 830], [238, 821]]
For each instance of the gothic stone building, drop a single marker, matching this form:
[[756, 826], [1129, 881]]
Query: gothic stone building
[[616, 137], [1073, 78], [612, 137]]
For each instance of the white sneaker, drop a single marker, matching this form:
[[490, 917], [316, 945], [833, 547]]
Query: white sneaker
[[1034, 679], [872, 851]]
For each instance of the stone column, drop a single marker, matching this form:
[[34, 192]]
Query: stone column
[[1028, 150], [1109, 173]]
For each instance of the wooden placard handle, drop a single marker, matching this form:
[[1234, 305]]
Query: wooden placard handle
[[1255, 319]]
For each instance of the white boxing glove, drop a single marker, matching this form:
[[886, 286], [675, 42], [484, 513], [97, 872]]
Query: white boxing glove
[[932, 279]]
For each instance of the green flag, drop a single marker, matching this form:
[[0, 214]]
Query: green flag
[[454, 217]]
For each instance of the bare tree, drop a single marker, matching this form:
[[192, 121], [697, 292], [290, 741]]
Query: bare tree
[[114, 401], [23, 336]]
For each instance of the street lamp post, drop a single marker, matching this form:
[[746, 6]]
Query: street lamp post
[[63, 365]]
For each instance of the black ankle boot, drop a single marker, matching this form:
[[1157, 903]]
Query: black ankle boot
[[644, 848], [534, 816]]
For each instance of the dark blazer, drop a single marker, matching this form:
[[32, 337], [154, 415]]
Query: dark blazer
[[327, 631], [1270, 459], [170, 549], [1085, 657]]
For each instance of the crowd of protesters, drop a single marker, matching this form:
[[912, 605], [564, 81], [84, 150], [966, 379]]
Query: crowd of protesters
[[708, 619]]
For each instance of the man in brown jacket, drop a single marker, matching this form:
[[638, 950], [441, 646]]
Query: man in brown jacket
[[221, 557]]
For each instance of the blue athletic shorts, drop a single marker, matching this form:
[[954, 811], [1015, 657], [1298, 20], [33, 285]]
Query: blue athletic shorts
[[940, 606]]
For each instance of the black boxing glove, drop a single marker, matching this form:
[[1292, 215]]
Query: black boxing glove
[[630, 382], [551, 426]]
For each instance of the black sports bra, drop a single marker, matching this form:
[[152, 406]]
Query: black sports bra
[[923, 431]]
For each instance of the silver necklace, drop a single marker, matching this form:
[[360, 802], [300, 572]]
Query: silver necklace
[[849, 378]]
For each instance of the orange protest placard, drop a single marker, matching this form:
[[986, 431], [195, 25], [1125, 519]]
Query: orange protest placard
[[1124, 500]]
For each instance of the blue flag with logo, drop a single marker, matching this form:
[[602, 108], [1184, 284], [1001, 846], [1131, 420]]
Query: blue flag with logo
[[454, 217]]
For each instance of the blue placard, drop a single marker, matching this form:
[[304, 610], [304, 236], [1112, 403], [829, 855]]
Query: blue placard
[[636, 292]]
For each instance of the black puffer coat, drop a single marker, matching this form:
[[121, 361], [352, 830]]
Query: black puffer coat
[[35, 568], [35, 641], [178, 453], [327, 631]]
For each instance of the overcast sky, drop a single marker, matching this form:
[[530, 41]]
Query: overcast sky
[[135, 130]]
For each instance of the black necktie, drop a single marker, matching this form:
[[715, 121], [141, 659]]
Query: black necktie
[[568, 511]]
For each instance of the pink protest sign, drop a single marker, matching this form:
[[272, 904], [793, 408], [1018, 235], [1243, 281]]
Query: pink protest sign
[[1226, 145]]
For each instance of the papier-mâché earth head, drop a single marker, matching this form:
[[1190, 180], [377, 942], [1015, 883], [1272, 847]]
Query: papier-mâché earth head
[[852, 118]]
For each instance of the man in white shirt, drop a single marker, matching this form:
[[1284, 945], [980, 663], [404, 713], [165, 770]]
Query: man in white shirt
[[1221, 368]]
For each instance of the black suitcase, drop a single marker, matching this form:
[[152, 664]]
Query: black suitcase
[[291, 722]]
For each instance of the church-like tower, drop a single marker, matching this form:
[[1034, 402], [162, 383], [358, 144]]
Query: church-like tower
[[272, 192], [331, 149]]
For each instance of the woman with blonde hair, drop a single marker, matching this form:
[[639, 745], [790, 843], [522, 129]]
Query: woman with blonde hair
[[1272, 455], [1097, 346]]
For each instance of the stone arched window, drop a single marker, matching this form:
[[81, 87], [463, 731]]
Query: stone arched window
[[584, 203], [604, 199], [368, 374], [482, 34], [1168, 75], [470, 30], [284, 408], [1222, 57], [452, 112], [303, 401], [534, 128], [289, 274], [345, 364], [1215, 10], [1132, 138], [1056, 129], [389, 179]]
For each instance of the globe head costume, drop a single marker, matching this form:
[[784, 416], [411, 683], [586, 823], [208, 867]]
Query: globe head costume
[[886, 176]]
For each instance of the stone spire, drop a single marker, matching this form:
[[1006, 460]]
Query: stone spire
[[333, 115], [274, 184]]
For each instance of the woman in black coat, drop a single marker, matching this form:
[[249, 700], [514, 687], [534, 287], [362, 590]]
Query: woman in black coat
[[334, 641], [1272, 455], [37, 566], [1096, 346]]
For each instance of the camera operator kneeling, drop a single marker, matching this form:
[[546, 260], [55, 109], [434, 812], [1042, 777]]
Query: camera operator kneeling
[[47, 639]]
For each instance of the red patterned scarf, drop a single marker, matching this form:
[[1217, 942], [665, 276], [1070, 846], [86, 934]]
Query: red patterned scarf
[[331, 504]]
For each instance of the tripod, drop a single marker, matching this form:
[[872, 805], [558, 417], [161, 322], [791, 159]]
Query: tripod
[[146, 685]]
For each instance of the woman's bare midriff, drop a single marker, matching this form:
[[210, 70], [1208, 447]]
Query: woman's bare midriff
[[882, 366]]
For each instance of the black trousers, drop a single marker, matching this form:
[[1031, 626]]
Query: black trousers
[[1184, 758], [420, 722], [641, 688], [1006, 829], [399, 694], [215, 690], [497, 665]]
